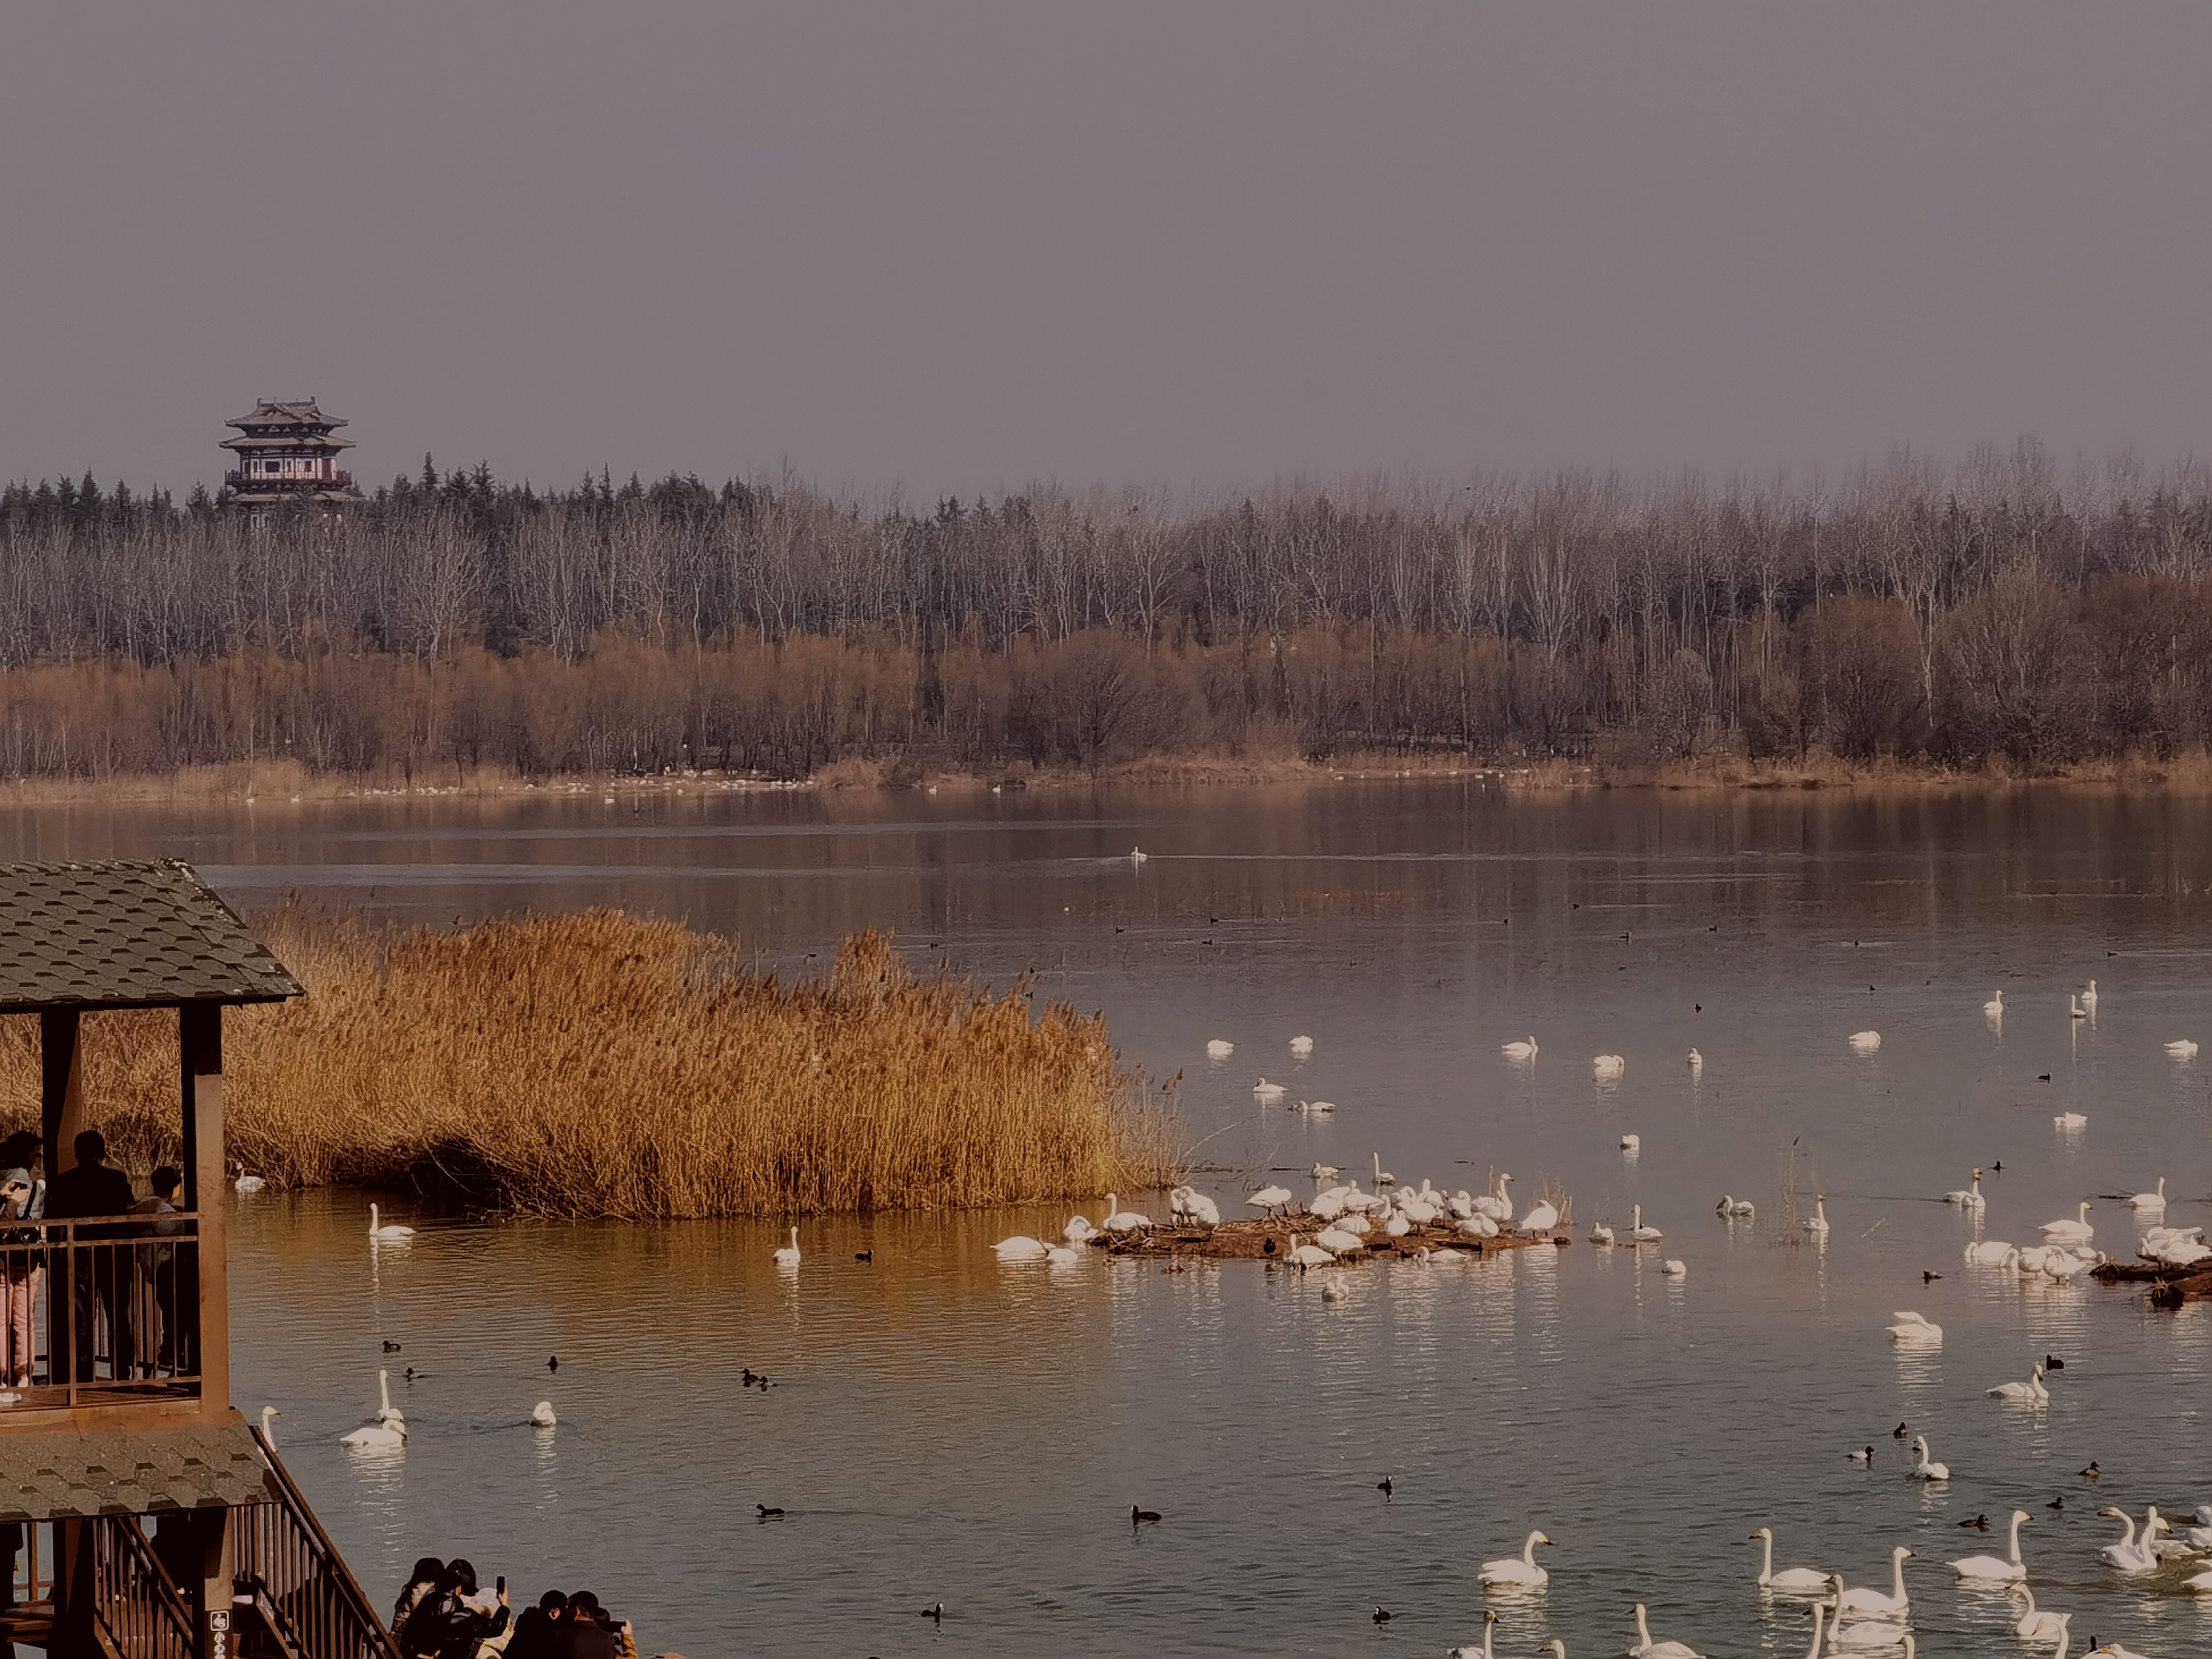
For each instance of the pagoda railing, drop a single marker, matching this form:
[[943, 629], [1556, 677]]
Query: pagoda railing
[[279, 481]]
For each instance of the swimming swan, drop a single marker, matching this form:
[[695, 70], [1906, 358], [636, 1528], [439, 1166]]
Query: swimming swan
[[1968, 1198], [1122, 1221], [269, 1428], [390, 1233], [1265, 1091], [1912, 1327], [1992, 1253], [2035, 1626], [2089, 997], [1520, 1570], [386, 1430], [1301, 1046], [2031, 1391], [1020, 1247], [2072, 1121], [1818, 1226], [1791, 1581], [1865, 1043], [1998, 1568], [541, 1415], [1518, 1050], [2074, 1231], [1609, 1066], [2183, 1049], [1872, 1603], [1638, 1232], [1219, 1048], [1470, 1651], [2150, 1201], [1645, 1648], [1927, 1468], [1601, 1233], [2128, 1555], [1736, 1207], [1994, 1008]]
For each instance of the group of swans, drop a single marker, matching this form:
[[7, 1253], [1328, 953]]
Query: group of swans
[[1638, 1232], [1222, 1047]]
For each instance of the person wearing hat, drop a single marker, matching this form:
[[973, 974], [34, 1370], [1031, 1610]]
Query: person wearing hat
[[22, 1265]]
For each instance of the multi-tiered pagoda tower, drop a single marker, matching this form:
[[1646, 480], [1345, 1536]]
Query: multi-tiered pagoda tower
[[287, 452]]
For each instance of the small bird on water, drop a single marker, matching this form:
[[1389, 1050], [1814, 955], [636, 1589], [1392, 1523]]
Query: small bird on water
[[766, 1513], [2093, 1472], [1384, 1615], [1980, 1522], [552, 1362], [934, 1610], [392, 1347], [1864, 1455], [1383, 1485], [1899, 1432], [1137, 1517], [2052, 1362], [864, 1256], [1927, 1278]]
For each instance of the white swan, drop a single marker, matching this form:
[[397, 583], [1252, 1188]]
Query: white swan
[[1791, 1581], [268, 1427], [1302, 1046], [2074, 1008], [2183, 1049], [1992, 1253], [249, 1183], [541, 1415], [1970, 1197], [1601, 1233], [1872, 1603], [1638, 1232], [1079, 1230], [1335, 1239], [1137, 855], [386, 1430], [1736, 1208], [1675, 1268], [387, 1233], [1994, 1008], [1308, 1256], [1927, 1468], [1631, 1144], [2031, 1391], [1872, 1635], [2076, 1230], [1383, 1176], [1122, 1221], [1269, 1198], [1265, 1091], [1219, 1048], [2150, 1201], [2070, 1120], [1913, 1328], [1519, 1568], [1865, 1043], [1542, 1218], [1020, 1247], [1518, 1050], [1063, 1255], [2089, 997], [788, 1256], [1998, 1568], [1820, 1612], [2035, 1626], [1645, 1648], [1497, 1204], [1697, 1063], [1819, 1225], [385, 1410], [1470, 1651], [2129, 1556], [1609, 1066], [1187, 1203]]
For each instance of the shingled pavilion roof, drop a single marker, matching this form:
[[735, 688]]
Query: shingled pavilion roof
[[62, 1474], [127, 934], [300, 412]]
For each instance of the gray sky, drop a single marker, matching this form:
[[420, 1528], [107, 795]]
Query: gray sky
[[956, 245]]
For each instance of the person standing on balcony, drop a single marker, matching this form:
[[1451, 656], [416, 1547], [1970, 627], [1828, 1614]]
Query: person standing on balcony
[[102, 1274], [173, 1272], [22, 1265]]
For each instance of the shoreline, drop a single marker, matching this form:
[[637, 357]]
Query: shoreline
[[287, 783]]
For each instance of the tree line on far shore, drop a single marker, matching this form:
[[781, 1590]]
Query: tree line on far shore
[[1991, 611]]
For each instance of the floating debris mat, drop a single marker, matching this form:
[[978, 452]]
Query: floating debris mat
[[1268, 1239], [2168, 1287]]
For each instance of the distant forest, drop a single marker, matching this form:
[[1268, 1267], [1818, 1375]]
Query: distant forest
[[1989, 611]]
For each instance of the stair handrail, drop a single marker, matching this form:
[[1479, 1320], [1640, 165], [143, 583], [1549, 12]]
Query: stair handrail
[[368, 1639], [133, 1575]]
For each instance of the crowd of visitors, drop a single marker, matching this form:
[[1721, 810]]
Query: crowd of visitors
[[442, 1614], [134, 1292]]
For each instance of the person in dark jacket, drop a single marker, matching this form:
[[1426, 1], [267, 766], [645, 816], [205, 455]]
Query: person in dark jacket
[[587, 1633], [445, 1626], [538, 1632], [420, 1582], [103, 1272]]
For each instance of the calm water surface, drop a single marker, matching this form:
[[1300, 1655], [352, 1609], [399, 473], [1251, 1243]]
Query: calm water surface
[[944, 1428]]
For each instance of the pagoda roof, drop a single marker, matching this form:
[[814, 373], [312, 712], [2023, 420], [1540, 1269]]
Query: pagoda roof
[[286, 441], [300, 411]]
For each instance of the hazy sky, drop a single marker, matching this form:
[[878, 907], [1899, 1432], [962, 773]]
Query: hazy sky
[[965, 246]]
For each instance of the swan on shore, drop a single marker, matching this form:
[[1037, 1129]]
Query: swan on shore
[[1219, 1048], [1865, 1043], [1497, 1204], [1969, 1197], [1187, 1203], [2031, 1391], [1927, 1468], [1122, 1221], [1520, 1570], [1540, 1218], [1790, 1581], [2150, 1201], [389, 1231], [788, 1256], [1998, 1568], [1269, 1199], [1308, 1256], [1645, 1648]]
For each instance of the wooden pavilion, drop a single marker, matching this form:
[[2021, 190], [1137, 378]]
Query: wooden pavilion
[[126, 1420]]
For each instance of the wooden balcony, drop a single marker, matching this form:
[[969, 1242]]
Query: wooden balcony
[[117, 1301]]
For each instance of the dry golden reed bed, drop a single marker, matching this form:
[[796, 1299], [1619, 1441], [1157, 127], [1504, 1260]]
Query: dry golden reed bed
[[596, 1065]]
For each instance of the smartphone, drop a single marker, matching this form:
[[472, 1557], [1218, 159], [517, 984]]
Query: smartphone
[[501, 1586]]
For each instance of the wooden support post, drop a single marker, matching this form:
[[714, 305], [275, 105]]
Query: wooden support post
[[216, 1530], [61, 1094], [200, 1029]]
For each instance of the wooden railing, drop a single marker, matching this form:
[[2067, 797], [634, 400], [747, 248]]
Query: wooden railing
[[137, 1608], [121, 1291], [301, 1586]]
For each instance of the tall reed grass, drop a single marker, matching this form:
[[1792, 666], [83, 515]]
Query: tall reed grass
[[598, 1065]]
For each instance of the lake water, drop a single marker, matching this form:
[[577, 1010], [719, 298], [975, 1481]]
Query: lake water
[[944, 1428]]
